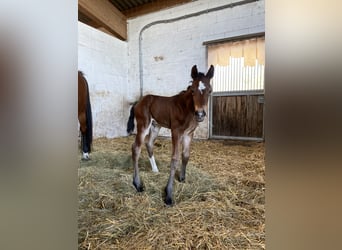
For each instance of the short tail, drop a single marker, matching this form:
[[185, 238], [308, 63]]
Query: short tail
[[89, 122], [130, 122]]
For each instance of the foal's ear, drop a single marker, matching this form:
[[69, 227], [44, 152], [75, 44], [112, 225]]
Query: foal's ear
[[194, 72], [210, 72]]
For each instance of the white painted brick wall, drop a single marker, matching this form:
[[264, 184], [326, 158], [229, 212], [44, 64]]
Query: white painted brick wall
[[180, 45], [112, 66], [104, 61]]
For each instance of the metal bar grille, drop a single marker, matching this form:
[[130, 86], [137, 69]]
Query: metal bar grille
[[236, 77]]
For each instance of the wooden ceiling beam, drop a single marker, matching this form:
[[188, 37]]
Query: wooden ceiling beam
[[106, 15], [152, 7]]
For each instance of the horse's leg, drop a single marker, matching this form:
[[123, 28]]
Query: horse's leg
[[185, 155], [142, 130], [85, 149], [154, 130], [173, 167], [83, 129]]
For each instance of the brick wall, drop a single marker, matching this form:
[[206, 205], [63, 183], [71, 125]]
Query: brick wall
[[168, 53], [169, 50], [103, 59]]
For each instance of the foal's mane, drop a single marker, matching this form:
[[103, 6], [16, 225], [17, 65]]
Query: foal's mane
[[184, 91], [200, 75]]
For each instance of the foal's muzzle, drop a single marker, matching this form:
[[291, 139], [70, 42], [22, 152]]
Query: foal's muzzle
[[200, 115]]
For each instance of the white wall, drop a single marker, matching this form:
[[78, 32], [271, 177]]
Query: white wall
[[104, 61], [112, 66], [179, 44]]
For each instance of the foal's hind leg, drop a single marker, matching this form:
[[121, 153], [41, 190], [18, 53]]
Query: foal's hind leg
[[85, 148], [154, 130], [142, 130]]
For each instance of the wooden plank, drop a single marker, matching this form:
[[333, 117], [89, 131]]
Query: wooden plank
[[218, 117], [106, 15], [85, 19], [233, 39], [249, 117], [260, 119], [254, 117], [242, 115], [104, 30], [152, 7], [231, 118], [214, 115], [237, 116]]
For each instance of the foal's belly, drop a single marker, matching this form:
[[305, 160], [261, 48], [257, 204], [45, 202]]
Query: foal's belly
[[186, 127], [161, 123]]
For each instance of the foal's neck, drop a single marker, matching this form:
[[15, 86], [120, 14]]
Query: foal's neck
[[186, 100]]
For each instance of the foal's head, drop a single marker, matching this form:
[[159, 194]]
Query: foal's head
[[201, 90]]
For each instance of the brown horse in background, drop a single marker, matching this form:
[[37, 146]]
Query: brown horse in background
[[84, 116], [180, 113]]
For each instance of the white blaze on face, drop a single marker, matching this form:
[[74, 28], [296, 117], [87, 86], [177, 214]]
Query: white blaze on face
[[201, 87]]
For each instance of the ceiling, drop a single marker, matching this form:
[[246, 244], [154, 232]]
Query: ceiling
[[111, 15]]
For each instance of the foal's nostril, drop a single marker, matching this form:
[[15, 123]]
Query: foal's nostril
[[200, 114]]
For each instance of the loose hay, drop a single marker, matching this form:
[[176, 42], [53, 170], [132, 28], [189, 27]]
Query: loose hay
[[221, 205]]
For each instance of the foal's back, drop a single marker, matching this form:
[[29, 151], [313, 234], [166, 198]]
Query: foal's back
[[163, 109]]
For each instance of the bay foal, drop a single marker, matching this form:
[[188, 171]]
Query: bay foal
[[180, 113]]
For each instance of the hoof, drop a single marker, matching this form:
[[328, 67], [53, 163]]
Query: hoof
[[168, 201], [139, 188], [167, 198], [181, 179], [85, 156]]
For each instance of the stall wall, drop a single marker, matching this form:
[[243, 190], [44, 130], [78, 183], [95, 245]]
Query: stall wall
[[171, 47], [104, 61], [168, 51]]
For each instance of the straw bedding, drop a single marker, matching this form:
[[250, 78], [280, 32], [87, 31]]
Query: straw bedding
[[221, 205]]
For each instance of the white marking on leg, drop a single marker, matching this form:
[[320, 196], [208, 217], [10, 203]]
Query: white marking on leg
[[201, 87], [147, 130], [85, 156], [153, 164], [186, 141]]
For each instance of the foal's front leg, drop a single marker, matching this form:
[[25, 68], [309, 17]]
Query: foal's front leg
[[185, 155], [173, 167]]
